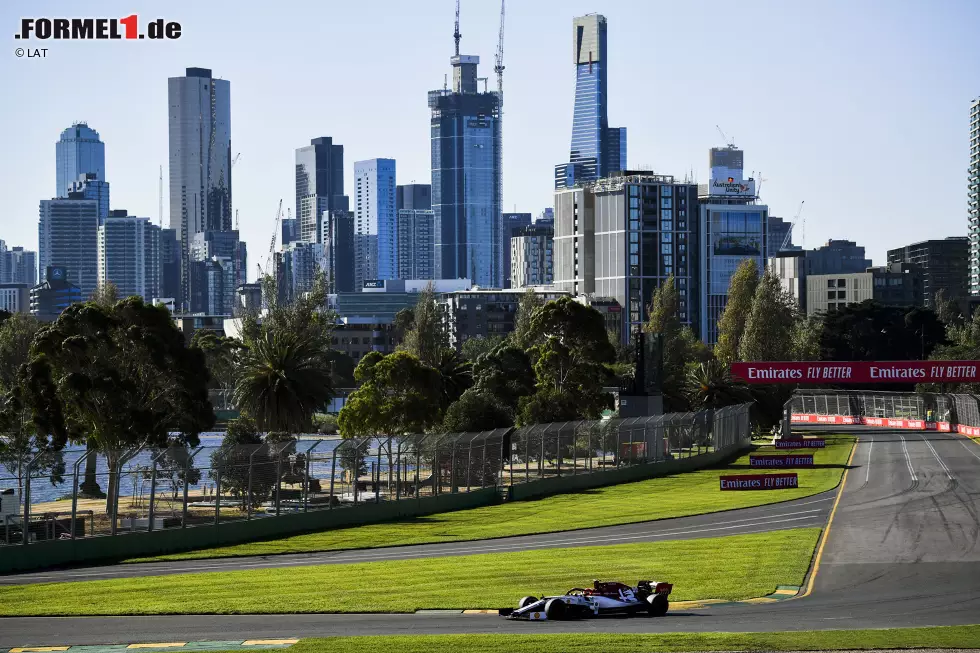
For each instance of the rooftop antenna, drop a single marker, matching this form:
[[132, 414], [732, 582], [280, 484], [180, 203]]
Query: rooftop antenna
[[445, 81], [456, 34]]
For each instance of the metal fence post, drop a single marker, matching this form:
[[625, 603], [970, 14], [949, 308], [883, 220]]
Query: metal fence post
[[279, 453], [248, 496], [333, 474], [217, 494], [25, 531], [558, 449], [306, 476], [187, 472], [153, 494], [74, 491], [377, 479]]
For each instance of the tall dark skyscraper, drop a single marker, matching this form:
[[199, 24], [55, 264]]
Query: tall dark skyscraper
[[466, 179], [200, 159], [78, 152], [319, 186], [597, 149]]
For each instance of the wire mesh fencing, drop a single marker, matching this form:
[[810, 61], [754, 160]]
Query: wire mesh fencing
[[89, 493], [929, 407]]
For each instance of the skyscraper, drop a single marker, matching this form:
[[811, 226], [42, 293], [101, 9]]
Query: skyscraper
[[129, 255], [512, 224], [337, 236], [92, 188], [68, 238], [169, 264], [413, 196], [375, 227], [597, 150], [200, 159], [466, 179], [531, 256], [319, 186], [973, 197], [17, 265], [78, 152], [415, 247], [226, 244]]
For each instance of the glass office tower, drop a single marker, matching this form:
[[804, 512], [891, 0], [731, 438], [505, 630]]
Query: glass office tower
[[597, 150], [319, 186], [466, 179], [200, 159], [78, 152]]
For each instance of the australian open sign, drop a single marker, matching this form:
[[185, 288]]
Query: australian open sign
[[760, 482], [785, 461]]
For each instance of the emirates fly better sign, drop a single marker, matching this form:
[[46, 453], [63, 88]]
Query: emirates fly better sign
[[858, 372], [760, 482]]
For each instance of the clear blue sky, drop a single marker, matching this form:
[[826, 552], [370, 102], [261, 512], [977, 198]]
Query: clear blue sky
[[858, 107]]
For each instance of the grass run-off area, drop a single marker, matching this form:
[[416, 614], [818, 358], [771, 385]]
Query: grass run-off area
[[826, 640], [680, 495], [734, 567]]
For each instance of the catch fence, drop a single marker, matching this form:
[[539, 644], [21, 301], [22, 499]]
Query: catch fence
[[154, 489], [924, 410]]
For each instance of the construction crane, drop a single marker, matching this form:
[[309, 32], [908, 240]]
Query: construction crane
[[456, 34], [236, 219], [789, 232], [730, 143], [235, 160], [272, 243], [758, 189], [498, 59]]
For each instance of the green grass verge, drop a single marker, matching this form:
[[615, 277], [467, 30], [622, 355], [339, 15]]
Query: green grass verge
[[680, 495], [734, 567], [814, 640]]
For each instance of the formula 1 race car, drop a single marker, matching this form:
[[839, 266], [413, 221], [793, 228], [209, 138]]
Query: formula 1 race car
[[648, 597]]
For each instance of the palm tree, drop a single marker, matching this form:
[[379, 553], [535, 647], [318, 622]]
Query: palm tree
[[284, 379], [709, 385], [456, 373]]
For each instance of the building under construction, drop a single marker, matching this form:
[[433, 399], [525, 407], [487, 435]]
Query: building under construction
[[467, 175]]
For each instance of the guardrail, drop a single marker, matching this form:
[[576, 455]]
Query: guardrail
[[957, 413], [154, 490]]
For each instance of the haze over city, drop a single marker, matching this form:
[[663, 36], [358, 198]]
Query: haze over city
[[860, 109]]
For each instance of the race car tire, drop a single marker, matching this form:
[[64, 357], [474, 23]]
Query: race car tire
[[657, 605], [527, 600], [555, 609]]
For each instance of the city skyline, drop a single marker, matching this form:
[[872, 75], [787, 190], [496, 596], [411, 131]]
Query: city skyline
[[849, 108]]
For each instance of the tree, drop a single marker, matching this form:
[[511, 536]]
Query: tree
[[523, 335], [869, 331], [947, 310], [456, 375], [398, 395], [105, 295], [506, 374], [285, 372], [476, 410], [16, 335], [427, 336], [678, 344], [806, 338], [285, 379], [731, 326], [118, 378], [235, 462], [768, 334], [709, 385], [570, 361], [175, 468], [22, 444], [473, 348], [220, 355], [341, 369]]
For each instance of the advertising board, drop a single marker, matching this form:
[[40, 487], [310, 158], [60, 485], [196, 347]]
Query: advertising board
[[760, 482], [785, 461], [858, 372], [807, 443]]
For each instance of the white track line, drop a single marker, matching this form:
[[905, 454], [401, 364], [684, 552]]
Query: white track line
[[368, 557], [949, 475], [908, 460], [868, 474], [970, 450]]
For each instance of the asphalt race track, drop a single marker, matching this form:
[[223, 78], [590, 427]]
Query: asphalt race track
[[903, 550], [801, 513]]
